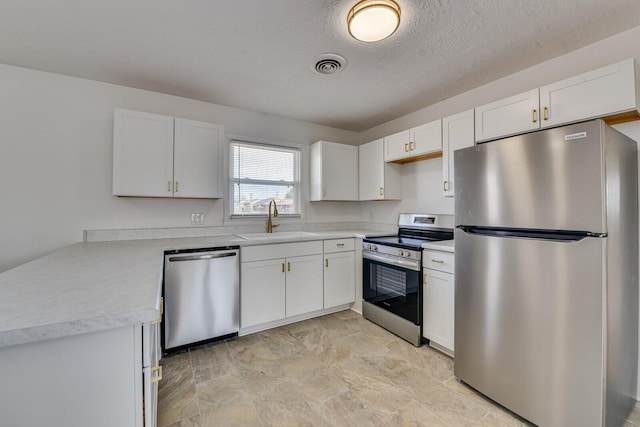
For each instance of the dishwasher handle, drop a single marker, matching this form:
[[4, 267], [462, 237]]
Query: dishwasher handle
[[202, 257]]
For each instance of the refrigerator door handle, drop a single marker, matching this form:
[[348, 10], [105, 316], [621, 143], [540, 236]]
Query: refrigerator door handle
[[555, 235]]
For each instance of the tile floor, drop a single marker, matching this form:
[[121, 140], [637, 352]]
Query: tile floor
[[335, 370]]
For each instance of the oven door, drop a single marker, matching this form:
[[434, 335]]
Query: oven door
[[393, 284]]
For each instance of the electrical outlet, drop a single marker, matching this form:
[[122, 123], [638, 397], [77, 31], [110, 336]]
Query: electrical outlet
[[197, 219]]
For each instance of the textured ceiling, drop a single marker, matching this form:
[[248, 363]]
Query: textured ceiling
[[257, 54]]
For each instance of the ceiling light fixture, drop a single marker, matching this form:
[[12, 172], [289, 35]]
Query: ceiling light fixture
[[373, 20]]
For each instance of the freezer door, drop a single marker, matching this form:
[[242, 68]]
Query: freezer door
[[551, 179], [529, 325]]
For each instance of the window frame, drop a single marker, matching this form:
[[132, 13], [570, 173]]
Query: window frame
[[296, 184]]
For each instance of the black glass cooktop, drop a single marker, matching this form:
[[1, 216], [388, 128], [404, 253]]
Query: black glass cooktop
[[411, 240]]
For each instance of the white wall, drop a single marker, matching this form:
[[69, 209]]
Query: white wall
[[428, 196], [56, 160]]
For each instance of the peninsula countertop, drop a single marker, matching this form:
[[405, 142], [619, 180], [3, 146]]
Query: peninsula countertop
[[91, 286]]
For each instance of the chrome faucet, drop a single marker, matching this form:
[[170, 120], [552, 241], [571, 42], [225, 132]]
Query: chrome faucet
[[271, 225]]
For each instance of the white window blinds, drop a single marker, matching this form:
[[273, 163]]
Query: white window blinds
[[261, 173]]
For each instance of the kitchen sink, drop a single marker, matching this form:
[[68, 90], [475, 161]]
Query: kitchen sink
[[275, 235]]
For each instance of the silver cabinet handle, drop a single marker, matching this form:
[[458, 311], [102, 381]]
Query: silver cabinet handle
[[439, 261]]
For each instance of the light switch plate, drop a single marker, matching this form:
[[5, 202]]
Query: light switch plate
[[197, 219]]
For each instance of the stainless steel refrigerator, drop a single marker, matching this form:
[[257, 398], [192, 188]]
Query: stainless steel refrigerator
[[546, 273]]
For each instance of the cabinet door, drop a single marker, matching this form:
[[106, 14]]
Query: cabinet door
[[397, 146], [151, 371], [378, 180], [339, 278], [89, 379], [304, 284], [439, 308], [509, 116], [142, 154], [262, 292], [457, 133], [333, 171], [426, 138], [598, 93], [198, 155], [371, 170]]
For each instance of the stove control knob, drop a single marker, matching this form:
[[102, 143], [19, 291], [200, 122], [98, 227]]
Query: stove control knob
[[400, 252], [370, 247], [374, 248], [408, 254]]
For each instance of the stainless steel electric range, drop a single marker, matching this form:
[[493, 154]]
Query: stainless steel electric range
[[392, 273]]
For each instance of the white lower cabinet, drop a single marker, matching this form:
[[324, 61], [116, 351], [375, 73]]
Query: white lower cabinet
[[288, 282], [151, 370], [439, 301], [339, 272], [304, 284], [93, 379], [262, 293], [279, 281]]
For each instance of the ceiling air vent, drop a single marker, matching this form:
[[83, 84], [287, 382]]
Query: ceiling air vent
[[328, 63]]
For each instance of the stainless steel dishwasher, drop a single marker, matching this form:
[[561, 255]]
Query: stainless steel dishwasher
[[201, 296]]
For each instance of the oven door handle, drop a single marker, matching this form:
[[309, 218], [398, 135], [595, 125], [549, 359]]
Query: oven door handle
[[408, 264]]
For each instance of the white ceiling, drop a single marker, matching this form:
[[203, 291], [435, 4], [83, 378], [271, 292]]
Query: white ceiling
[[258, 54]]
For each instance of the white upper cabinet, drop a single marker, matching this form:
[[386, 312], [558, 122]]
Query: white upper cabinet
[[396, 146], [159, 156], [378, 180], [415, 142], [509, 116], [197, 159], [142, 154], [609, 91], [457, 133], [333, 171], [602, 92], [426, 138]]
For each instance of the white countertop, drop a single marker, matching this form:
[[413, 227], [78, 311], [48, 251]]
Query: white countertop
[[92, 286], [443, 245]]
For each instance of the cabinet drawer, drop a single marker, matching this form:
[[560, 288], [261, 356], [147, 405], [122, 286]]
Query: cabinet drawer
[[339, 245], [437, 260], [282, 250]]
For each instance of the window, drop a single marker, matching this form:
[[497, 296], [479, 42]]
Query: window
[[261, 173]]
